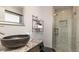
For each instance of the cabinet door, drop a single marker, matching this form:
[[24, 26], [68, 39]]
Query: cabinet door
[[35, 49]]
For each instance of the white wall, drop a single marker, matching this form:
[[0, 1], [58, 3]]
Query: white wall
[[74, 29], [45, 13], [9, 29], [47, 16], [77, 29], [28, 12]]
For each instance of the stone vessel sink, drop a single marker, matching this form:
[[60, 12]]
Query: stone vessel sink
[[15, 41]]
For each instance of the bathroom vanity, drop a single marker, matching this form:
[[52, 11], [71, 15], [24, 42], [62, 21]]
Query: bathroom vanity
[[32, 46]]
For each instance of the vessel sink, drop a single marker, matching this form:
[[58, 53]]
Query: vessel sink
[[15, 41]]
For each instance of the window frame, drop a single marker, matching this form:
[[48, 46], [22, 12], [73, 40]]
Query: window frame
[[21, 21]]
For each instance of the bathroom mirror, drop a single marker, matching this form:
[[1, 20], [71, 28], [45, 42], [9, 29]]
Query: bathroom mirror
[[11, 15]]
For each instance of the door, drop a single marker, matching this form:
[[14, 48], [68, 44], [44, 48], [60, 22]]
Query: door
[[62, 30]]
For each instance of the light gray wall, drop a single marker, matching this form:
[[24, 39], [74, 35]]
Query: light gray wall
[[74, 29], [47, 16], [77, 28], [28, 12], [45, 13], [8, 29]]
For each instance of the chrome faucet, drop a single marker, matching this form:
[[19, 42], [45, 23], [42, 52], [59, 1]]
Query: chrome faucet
[[2, 33]]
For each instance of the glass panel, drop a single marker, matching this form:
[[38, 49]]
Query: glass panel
[[11, 17]]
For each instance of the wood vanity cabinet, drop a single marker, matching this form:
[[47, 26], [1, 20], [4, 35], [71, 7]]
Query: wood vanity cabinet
[[37, 48]]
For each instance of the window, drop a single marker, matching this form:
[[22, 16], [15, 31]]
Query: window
[[13, 18]]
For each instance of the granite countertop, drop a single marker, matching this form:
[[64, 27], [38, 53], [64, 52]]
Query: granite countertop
[[32, 43]]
